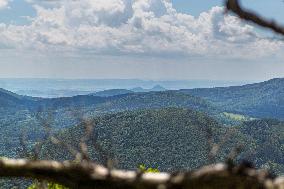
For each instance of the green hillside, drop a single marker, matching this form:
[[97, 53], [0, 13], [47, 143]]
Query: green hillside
[[175, 138], [261, 100], [9, 99], [268, 135], [155, 100], [155, 128], [168, 138], [22, 115]]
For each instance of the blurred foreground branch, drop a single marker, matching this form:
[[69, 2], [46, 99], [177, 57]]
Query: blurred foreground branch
[[87, 175], [234, 6]]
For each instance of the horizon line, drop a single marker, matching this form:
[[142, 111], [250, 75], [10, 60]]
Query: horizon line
[[140, 79]]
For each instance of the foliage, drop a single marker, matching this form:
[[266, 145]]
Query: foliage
[[174, 139], [164, 138], [49, 186], [144, 169], [238, 117], [268, 135]]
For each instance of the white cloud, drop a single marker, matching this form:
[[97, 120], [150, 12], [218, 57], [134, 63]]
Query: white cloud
[[148, 27], [4, 3]]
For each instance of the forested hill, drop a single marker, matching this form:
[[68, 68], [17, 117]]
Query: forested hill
[[169, 139], [109, 103], [115, 92], [268, 136], [9, 99], [265, 99], [154, 100], [174, 138], [20, 113]]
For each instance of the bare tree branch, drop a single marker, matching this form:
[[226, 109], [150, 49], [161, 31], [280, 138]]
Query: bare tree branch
[[89, 175], [89, 128], [68, 147], [234, 6]]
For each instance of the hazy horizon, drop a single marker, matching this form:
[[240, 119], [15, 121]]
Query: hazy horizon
[[53, 88], [44, 87]]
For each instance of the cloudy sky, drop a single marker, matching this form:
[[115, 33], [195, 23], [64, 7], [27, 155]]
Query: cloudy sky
[[146, 39]]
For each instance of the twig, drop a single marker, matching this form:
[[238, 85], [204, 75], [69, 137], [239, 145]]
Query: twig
[[234, 6]]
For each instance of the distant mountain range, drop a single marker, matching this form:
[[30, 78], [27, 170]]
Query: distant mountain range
[[259, 100], [53, 88], [155, 88], [265, 99], [114, 92]]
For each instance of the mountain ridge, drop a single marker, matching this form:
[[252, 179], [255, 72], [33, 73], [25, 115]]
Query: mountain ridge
[[264, 99]]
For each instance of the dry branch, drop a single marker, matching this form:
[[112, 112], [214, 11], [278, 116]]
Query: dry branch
[[234, 6], [89, 175]]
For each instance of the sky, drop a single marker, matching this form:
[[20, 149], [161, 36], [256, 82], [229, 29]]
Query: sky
[[141, 39]]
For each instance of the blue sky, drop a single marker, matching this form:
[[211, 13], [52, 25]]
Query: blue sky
[[15, 13], [147, 39], [272, 9]]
